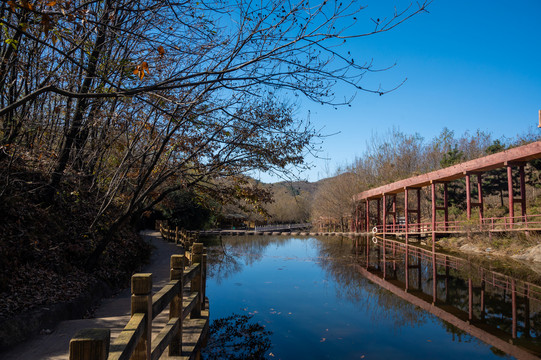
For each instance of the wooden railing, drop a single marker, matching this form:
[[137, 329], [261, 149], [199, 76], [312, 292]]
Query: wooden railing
[[185, 296], [178, 236]]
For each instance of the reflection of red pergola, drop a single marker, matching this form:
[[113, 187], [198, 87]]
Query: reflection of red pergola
[[516, 157]]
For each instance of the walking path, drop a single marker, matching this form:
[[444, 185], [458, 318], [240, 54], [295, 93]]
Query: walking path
[[113, 313]]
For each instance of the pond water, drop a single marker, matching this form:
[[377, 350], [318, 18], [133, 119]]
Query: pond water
[[350, 298]]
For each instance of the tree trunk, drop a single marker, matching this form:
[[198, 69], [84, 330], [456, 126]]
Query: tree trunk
[[82, 104]]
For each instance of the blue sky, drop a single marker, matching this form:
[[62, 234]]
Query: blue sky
[[469, 65]]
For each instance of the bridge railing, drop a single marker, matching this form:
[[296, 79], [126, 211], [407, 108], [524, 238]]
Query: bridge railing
[[487, 224], [185, 297], [516, 222], [282, 226]]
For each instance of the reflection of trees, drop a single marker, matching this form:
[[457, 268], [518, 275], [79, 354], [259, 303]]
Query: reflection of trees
[[236, 338], [453, 289], [337, 259], [221, 263], [228, 255], [341, 257]]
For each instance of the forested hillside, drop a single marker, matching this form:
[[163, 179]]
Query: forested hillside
[[396, 155]]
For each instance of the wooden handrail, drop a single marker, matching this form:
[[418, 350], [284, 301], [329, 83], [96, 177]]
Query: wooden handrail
[[124, 345], [163, 298], [184, 295], [178, 236]]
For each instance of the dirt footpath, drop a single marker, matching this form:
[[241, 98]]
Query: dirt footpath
[[112, 313]]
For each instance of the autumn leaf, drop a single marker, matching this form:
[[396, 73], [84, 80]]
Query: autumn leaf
[[52, 3], [25, 4], [161, 50], [140, 70], [12, 5]]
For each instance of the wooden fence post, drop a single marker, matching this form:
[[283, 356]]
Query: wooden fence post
[[90, 344], [141, 302], [204, 278], [175, 308], [197, 258]]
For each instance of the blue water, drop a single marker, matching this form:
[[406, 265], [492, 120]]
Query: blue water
[[318, 307]]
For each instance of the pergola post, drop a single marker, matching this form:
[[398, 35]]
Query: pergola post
[[406, 213], [419, 209], [511, 196], [468, 196], [522, 191], [445, 205], [378, 219], [384, 214], [367, 215], [433, 188], [480, 193], [394, 213]]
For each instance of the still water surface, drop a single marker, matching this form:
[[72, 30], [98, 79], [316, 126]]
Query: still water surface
[[314, 296]]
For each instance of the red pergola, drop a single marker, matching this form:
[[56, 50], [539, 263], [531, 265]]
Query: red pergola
[[515, 157]]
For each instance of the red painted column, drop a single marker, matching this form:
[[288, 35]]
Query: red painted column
[[378, 220], [358, 218], [468, 196], [384, 214], [480, 192], [433, 188], [522, 190], [511, 196], [394, 213], [445, 205], [406, 213], [419, 209], [367, 215]]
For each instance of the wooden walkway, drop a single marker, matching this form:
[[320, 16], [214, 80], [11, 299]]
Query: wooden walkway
[[182, 299], [113, 313]]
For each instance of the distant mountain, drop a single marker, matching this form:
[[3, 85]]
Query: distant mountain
[[295, 187]]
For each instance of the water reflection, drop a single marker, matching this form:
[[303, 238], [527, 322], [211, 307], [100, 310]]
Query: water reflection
[[498, 309], [468, 298]]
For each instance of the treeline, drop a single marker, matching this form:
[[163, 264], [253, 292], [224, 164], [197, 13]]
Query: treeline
[[390, 157], [397, 155], [127, 102]]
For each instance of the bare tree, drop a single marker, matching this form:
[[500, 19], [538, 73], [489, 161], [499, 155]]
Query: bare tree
[[333, 202], [141, 98]]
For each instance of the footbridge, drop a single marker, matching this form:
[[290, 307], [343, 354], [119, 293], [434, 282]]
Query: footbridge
[[378, 209]]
